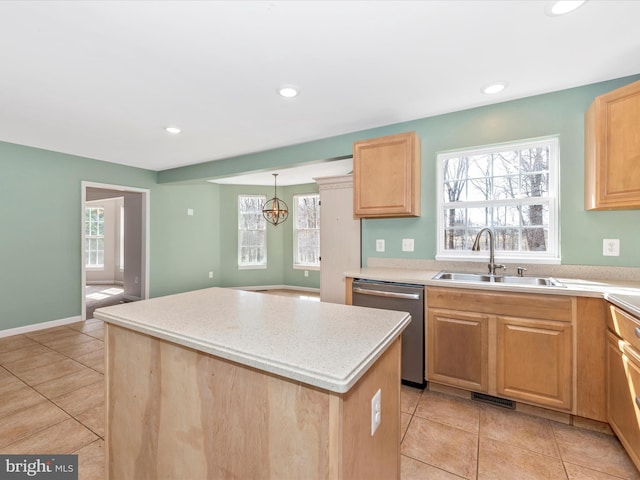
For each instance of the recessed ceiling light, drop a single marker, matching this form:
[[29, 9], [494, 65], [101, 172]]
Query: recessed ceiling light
[[288, 91], [562, 7], [173, 130], [494, 87]]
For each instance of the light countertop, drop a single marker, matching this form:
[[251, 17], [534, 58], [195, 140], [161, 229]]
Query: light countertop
[[626, 294], [325, 345], [630, 303]]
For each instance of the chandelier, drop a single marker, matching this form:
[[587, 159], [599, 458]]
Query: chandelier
[[275, 211]]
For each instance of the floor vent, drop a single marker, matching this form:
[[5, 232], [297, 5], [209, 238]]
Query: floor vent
[[500, 402]]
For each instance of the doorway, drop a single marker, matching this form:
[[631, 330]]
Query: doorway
[[119, 273]]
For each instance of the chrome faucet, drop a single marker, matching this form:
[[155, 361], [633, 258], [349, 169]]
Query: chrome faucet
[[476, 248]]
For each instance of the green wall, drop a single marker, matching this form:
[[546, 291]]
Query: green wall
[[40, 194], [559, 113], [40, 215], [279, 269]]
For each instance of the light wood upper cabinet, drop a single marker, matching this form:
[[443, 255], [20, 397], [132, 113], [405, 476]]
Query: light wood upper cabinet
[[386, 176], [612, 150]]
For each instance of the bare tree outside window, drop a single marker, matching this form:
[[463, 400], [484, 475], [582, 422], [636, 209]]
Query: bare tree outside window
[[252, 232], [306, 230], [509, 188]]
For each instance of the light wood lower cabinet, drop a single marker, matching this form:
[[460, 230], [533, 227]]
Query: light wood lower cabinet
[[623, 395], [458, 352], [511, 345], [534, 361]]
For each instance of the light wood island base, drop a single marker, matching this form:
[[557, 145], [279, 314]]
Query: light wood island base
[[177, 413]]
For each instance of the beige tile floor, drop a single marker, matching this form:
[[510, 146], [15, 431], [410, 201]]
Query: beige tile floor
[[52, 394], [446, 437], [52, 401]]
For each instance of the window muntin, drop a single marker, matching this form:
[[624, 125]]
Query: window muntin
[[511, 188], [306, 231], [252, 232], [94, 237]]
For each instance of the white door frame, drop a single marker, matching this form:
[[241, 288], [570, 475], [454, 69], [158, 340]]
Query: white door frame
[[145, 232]]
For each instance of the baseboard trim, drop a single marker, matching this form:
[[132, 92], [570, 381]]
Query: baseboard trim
[[38, 326], [106, 282]]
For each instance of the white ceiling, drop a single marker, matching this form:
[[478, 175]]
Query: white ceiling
[[102, 79]]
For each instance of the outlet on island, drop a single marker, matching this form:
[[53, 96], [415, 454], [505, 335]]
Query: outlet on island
[[376, 411]]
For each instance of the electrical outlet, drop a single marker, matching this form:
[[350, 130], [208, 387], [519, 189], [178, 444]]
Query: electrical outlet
[[210, 274], [376, 411], [407, 244], [611, 247], [380, 245], [306, 273], [190, 212]]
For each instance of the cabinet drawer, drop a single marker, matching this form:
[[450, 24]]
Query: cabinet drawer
[[546, 307], [625, 325], [623, 395]]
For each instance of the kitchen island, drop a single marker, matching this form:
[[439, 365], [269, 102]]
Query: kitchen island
[[221, 383]]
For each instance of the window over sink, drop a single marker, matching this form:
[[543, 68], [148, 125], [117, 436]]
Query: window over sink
[[511, 188]]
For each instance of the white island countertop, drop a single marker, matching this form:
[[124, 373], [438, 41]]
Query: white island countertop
[[325, 345]]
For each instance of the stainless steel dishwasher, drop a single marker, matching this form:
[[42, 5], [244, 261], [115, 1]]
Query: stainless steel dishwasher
[[405, 298]]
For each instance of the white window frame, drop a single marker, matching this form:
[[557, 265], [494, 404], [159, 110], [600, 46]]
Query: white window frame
[[552, 255], [297, 265], [94, 266], [121, 252], [252, 266]]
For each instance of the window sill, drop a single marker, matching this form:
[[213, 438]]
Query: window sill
[[252, 267], [299, 266], [499, 259]]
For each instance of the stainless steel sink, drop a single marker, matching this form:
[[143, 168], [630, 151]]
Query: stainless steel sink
[[510, 279], [463, 277]]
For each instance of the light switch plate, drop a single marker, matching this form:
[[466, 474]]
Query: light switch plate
[[611, 247], [407, 244], [380, 245]]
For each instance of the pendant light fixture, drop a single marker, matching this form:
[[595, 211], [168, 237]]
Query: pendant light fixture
[[275, 211]]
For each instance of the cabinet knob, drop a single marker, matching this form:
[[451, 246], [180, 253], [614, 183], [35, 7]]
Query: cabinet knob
[[637, 331]]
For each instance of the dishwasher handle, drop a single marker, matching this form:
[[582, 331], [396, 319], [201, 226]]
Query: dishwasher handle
[[382, 293]]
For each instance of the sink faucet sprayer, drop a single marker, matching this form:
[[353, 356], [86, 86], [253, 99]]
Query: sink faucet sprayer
[[476, 248]]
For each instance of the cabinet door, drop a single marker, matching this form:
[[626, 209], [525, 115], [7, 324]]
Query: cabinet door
[[386, 176], [623, 396], [534, 361], [457, 349], [339, 236], [612, 150]]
